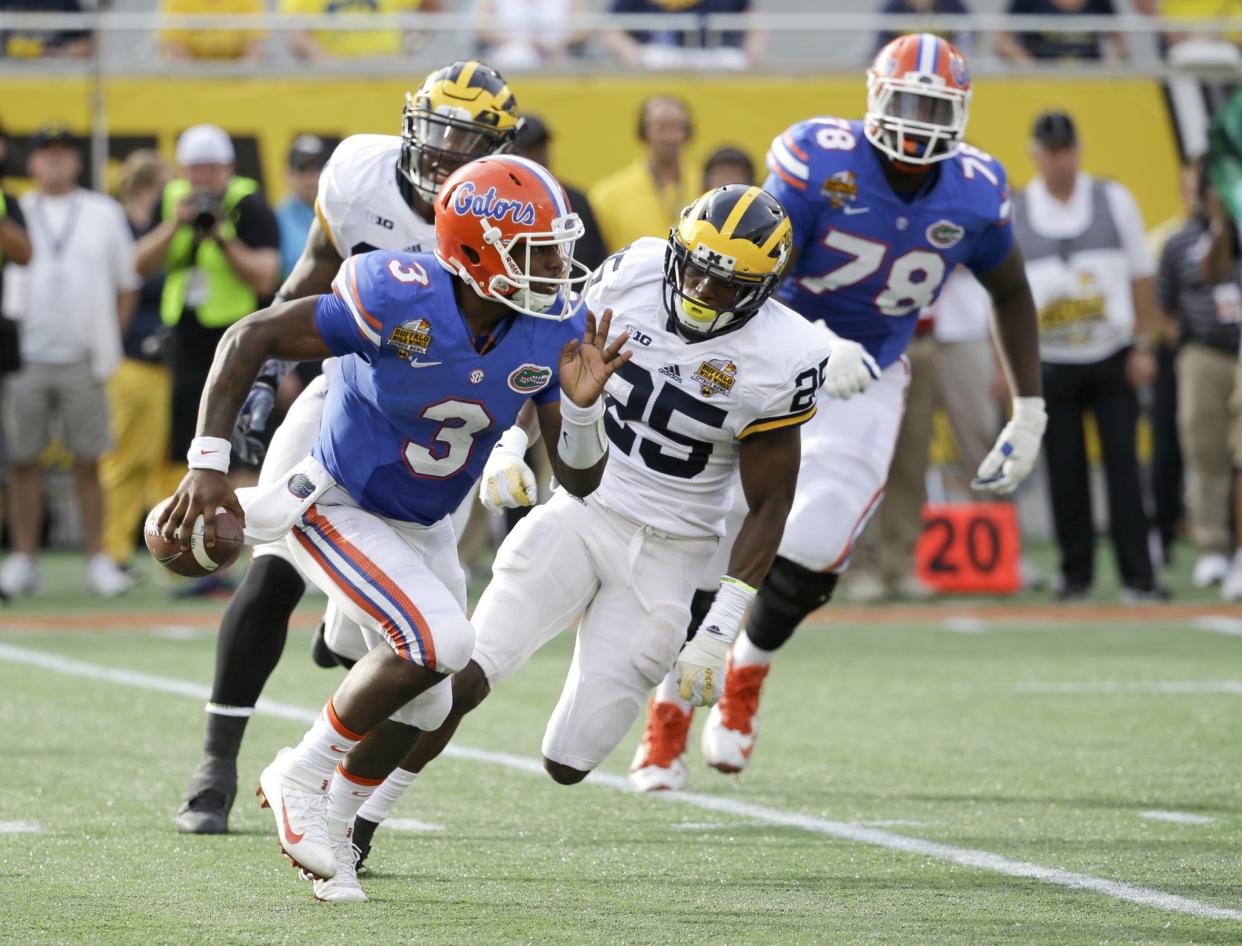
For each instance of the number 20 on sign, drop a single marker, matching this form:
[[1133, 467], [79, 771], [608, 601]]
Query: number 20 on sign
[[969, 548]]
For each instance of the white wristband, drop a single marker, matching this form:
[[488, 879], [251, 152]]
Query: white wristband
[[582, 441], [514, 442], [209, 453], [724, 618]]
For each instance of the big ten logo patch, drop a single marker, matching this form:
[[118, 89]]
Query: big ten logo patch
[[969, 548]]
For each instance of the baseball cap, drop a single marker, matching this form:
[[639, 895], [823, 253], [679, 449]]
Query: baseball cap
[[1054, 129], [50, 135], [204, 144], [308, 151]]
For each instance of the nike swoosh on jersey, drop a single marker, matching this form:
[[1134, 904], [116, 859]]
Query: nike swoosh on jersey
[[854, 211], [415, 363]]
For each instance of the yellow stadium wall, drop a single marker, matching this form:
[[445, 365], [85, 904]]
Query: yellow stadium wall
[[1124, 124]]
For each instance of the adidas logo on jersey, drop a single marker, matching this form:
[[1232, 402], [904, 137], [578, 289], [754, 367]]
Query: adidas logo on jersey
[[672, 371]]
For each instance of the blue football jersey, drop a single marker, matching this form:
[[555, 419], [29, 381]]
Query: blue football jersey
[[869, 259], [413, 409]]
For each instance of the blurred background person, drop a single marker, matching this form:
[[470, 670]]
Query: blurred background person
[[1028, 48], [727, 165], [323, 45], [927, 9], [78, 293], [534, 141], [680, 49], [218, 244], [199, 43], [1091, 274], [646, 196], [296, 213], [135, 472], [527, 34], [39, 44]]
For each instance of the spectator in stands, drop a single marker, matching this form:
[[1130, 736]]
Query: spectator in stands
[[534, 140], [527, 34], [1026, 48], [927, 9], [197, 43], [641, 198], [1091, 274], [680, 49], [1207, 316], [78, 293], [321, 45], [218, 245], [296, 212], [136, 473], [727, 165], [39, 44]]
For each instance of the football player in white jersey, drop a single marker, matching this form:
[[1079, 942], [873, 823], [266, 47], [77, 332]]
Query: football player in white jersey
[[720, 380], [376, 192]]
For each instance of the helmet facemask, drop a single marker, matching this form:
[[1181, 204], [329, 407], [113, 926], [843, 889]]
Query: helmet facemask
[[696, 319], [435, 144], [915, 120]]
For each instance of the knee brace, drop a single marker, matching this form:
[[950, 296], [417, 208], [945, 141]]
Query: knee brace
[[788, 594]]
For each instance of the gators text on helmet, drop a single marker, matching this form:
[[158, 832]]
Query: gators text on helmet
[[738, 235], [918, 99], [459, 113]]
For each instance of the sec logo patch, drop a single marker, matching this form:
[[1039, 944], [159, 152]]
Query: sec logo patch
[[476, 376]]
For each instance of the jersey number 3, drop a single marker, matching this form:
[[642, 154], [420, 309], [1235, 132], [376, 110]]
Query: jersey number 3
[[452, 445]]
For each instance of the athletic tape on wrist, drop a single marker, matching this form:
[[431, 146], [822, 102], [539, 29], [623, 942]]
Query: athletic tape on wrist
[[724, 618], [209, 453], [513, 442], [582, 441]]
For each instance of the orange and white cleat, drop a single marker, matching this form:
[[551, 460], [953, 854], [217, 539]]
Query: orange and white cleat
[[733, 724], [299, 803], [344, 886], [660, 762]]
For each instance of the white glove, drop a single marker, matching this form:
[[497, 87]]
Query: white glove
[[507, 482], [1016, 449], [850, 370], [700, 666]]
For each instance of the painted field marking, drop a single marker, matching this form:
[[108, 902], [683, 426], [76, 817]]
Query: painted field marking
[[965, 625], [843, 830], [177, 632], [1177, 817], [1218, 624], [20, 827], [412, 825], [1230, 687]]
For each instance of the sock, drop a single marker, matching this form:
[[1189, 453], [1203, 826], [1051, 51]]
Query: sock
[[378, 807], [666, 692], [746, 654], [225, 727], [346, 795], [326, 744]]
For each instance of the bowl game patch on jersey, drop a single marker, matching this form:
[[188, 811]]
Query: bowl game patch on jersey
[[716, 376], [411, 338]]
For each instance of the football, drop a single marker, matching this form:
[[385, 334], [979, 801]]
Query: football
[[198, 560]]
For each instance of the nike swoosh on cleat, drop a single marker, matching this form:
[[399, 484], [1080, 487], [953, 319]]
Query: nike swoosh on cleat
[[289, 832]]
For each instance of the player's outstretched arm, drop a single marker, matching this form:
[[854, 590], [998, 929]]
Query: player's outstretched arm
[[1016, 329], [769, 468], [286, 330], [573, 428]]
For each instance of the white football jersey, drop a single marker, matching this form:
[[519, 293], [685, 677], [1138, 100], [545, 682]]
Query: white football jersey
[[360, 203], [677, 410]]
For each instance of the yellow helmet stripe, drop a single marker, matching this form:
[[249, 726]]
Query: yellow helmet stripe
[[467, 70], [778, 234], [738, 211]]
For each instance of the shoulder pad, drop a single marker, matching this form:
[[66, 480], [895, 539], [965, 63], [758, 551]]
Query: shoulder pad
[[988, 184], [811, 151]]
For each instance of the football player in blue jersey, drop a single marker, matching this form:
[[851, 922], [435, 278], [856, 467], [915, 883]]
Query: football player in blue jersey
[[882, 211], [433, 367]]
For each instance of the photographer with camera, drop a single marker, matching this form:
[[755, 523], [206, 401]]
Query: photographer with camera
[[218, 245]]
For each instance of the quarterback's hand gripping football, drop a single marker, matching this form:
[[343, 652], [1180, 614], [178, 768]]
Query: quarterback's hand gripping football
[[507, 482], [850, 369], [201, 492], [700, 666], [1016, 449], [587, 364], [250, 433]]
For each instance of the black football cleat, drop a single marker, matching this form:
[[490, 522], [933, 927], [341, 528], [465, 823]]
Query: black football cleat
[[363, 831], [209, 798], [321, 653]]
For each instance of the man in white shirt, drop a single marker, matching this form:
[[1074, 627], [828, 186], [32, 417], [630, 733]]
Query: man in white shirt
[[1091, 273], [72, 300]]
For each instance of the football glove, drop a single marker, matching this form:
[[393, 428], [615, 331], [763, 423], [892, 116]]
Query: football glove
[[700, 666], [850, 369], [507, 482], [250, 434], [1016, 449]]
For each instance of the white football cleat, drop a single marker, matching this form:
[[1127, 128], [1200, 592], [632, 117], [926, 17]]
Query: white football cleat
[[299, 802], [343, 887], [733, 724], [660, 762]]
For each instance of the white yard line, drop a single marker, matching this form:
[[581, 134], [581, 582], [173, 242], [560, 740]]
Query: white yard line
[[411, 825], [1230, 687], [846, 831], [965, 625], [19, 827], [1218, 624], [1177, 817]]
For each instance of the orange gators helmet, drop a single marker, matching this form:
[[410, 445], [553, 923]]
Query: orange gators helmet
[[918, 98], [491, 215]]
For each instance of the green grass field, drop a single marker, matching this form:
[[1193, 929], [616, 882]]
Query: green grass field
[[905, 774]]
